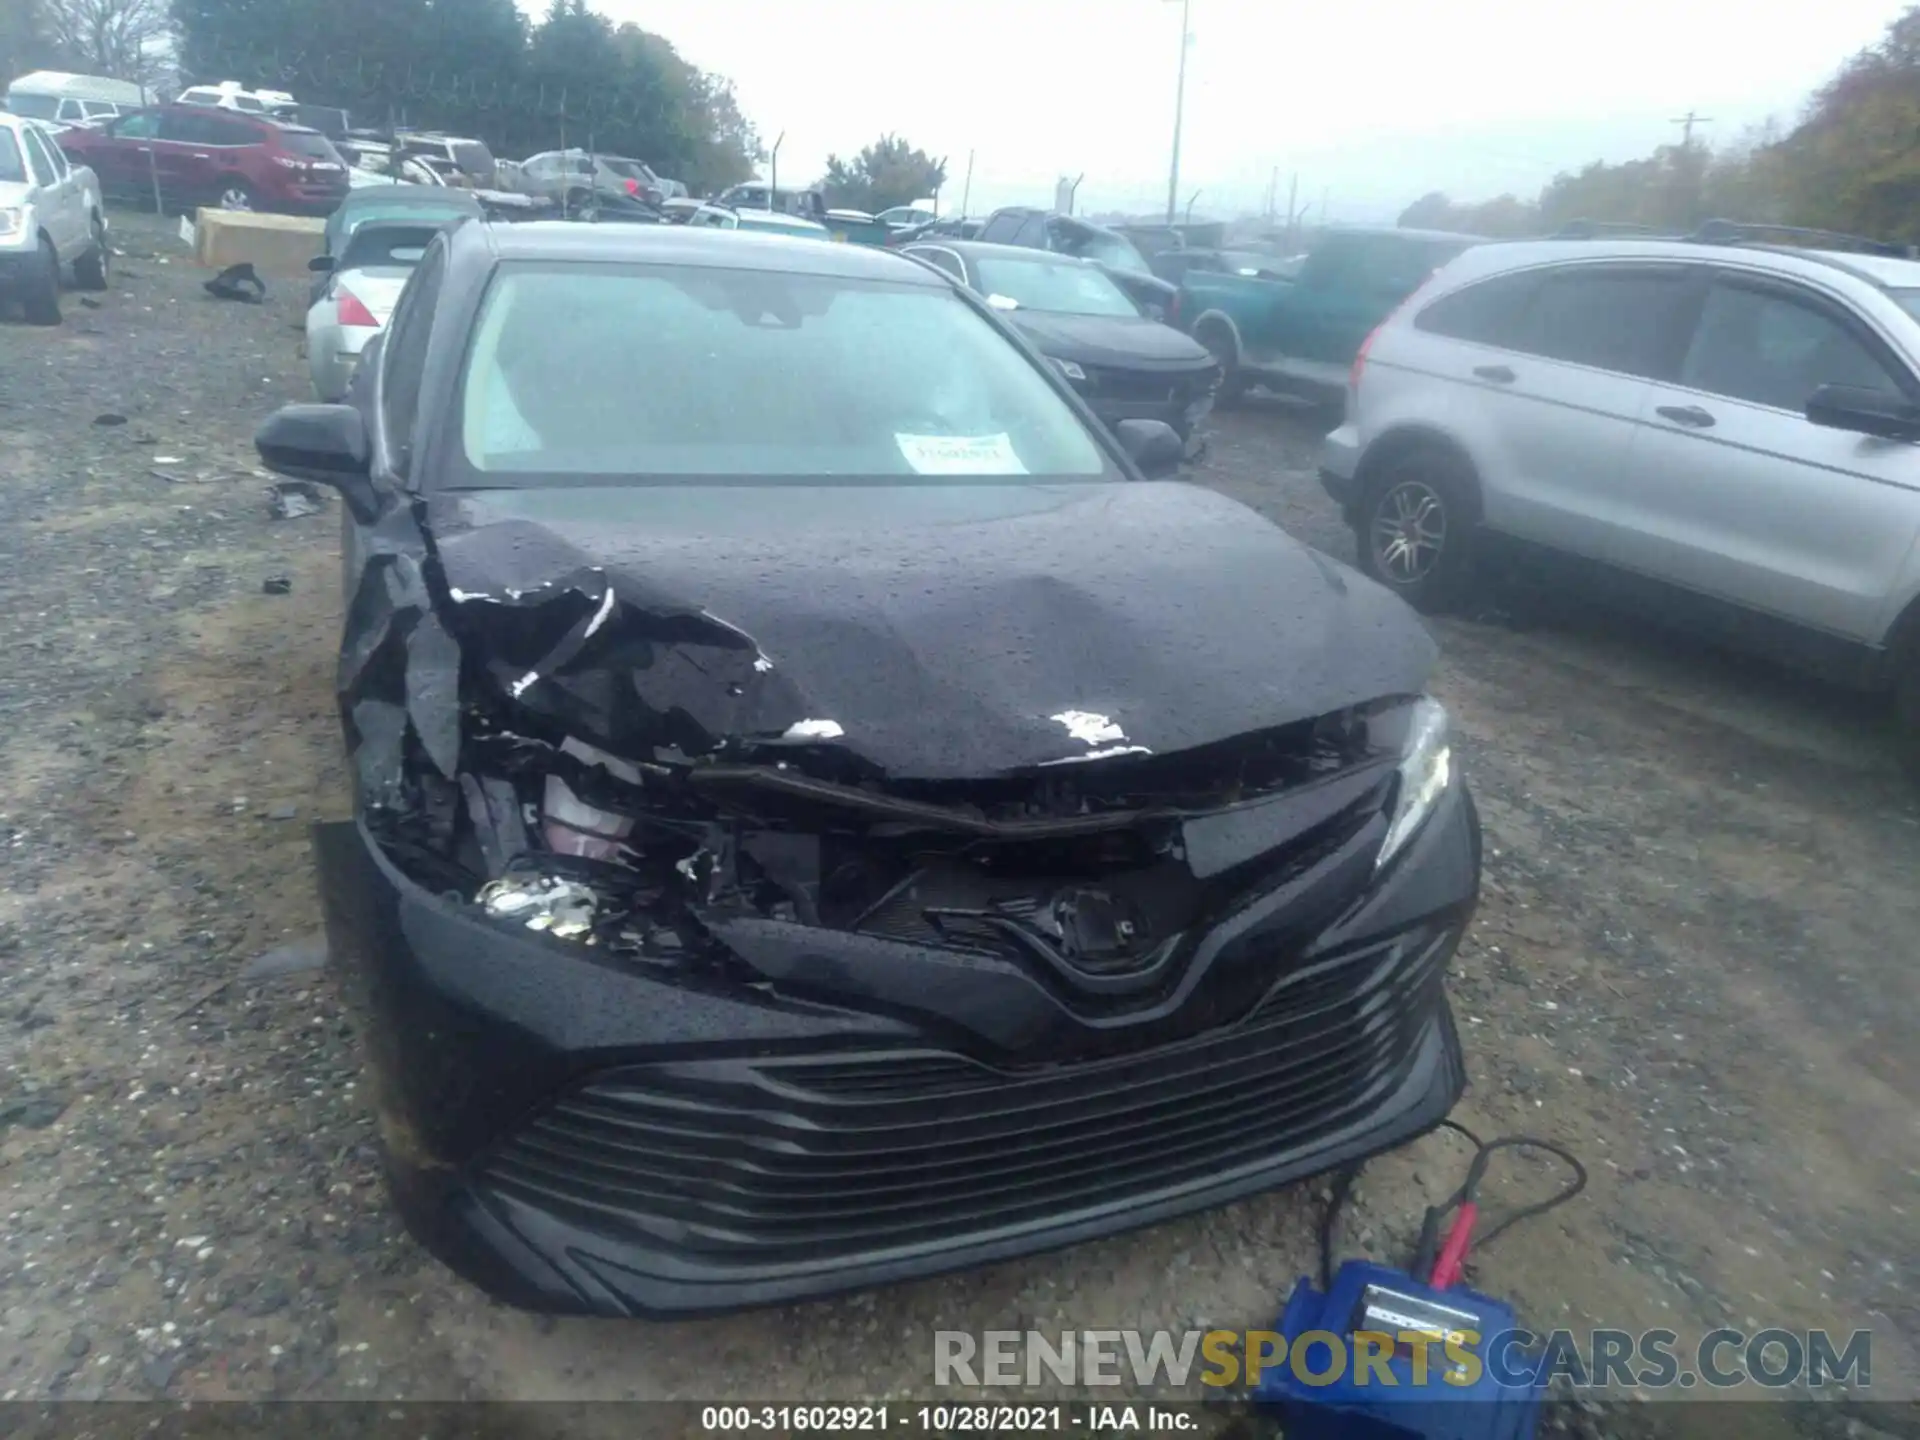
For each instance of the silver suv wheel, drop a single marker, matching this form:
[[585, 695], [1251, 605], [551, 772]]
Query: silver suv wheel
[[1409, 531]]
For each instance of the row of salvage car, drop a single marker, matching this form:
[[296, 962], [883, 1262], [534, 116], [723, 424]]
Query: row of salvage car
[[827, 808]]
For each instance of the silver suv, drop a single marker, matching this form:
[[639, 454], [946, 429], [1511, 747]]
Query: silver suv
[[1724, 433]]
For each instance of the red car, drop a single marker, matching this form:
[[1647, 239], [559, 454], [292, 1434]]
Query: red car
[[200, 155]]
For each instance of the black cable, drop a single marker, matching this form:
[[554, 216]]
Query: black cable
[[1459, 1129], [1342, 1186], [1427, 1249], [1539, 1207]]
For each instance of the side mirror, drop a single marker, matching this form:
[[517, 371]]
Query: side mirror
[[1153, 445], [320, 264], [1878, 413], [323, 443]]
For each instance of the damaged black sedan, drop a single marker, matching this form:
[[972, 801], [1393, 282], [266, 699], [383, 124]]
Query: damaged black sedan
[[824, 815]]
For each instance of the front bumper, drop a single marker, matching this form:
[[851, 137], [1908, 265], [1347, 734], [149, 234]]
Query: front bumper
[[1179, 399], [576, 1134], [1340, 464]]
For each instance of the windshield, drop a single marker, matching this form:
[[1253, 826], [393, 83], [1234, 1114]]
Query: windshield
[[1060, 287], [472, 157], [642, 371], [34, 107], [1108, 249], [350, 217], [311, 144], [13, 169]]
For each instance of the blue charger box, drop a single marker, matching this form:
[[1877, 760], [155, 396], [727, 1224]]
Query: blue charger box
[[1502, 1403]]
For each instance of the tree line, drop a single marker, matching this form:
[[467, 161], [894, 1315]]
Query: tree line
[[1851, 164]]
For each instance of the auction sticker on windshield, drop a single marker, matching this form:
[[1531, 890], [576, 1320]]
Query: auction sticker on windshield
[[961, 454]]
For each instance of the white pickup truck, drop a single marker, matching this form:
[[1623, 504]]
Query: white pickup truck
[[51, 220]]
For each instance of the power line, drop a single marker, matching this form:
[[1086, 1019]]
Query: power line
[[1687, 122]]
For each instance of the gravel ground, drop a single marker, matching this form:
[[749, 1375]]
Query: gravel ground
[[1694, 963]]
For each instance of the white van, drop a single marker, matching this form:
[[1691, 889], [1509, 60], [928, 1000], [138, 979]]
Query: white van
[[232, 95], [56, 98]]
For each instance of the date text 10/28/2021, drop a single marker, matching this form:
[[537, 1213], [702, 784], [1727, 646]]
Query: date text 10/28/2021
[[945, 1419]]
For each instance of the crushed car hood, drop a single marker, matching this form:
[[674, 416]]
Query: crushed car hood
[[932, 630], [1116, 341]]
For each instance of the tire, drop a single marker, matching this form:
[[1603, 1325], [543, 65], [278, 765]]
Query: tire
[[90, 271], [233, 193], [1906, 713], [1413, 528], [1233, 385], [40, 298]]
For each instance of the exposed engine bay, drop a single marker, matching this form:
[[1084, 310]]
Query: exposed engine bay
[[582, 764], [1090, 872]]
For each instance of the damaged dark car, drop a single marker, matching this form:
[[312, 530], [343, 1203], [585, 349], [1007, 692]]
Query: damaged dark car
[[823, 814]]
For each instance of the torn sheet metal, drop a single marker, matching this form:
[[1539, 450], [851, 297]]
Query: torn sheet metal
[[493, 809]]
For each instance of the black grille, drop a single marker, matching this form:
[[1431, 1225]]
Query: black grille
[[774, 1160], [1147, 387]]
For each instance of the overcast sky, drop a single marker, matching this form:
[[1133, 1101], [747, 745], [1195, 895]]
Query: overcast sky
[[1372, 102]]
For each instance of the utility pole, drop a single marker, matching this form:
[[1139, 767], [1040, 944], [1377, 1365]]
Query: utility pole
[[1293, 208], [1686, 123], [1190, 199], [773, 173], [1179, 109], [1273, 194], [966, 190]]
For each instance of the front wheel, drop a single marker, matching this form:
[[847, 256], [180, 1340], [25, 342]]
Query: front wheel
[[1232, 388], [1413, 529], [1906, 711], [234, 194], [41, 297], [90, 270]]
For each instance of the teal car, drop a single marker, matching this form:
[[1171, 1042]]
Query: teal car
[[1299, 337]]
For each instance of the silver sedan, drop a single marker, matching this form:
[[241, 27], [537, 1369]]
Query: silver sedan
[[363, 283]]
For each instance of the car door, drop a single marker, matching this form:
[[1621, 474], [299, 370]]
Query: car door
[[54, 200], [1733, 493], [76, 212], [183, 154], [1548, 370], [119, 163]]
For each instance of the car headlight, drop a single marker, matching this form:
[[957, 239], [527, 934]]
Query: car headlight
[[1426, 770], [1069, 369], [12, 221]]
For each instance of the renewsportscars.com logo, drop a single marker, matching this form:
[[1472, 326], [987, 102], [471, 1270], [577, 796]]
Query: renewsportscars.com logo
[[1649, 1360]]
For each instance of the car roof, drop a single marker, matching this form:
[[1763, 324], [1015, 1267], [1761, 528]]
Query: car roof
[[693, 246], [1403, 232], [1493, 257], [981, 250], [429, 197], [1882, 270]]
